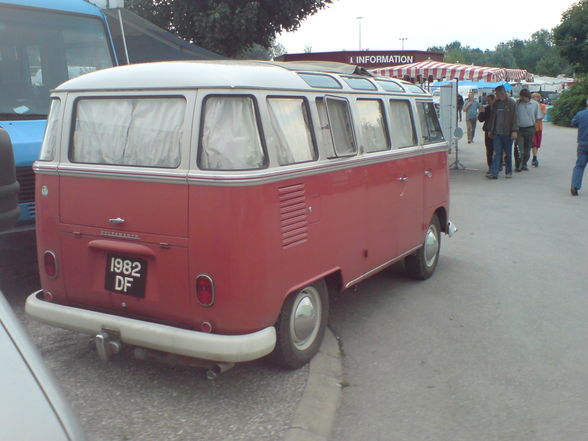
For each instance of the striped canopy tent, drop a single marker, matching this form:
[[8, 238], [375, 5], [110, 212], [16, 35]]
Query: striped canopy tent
[[518, 75], [426, 70]]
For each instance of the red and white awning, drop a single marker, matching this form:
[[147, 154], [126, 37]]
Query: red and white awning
[[426, 70]]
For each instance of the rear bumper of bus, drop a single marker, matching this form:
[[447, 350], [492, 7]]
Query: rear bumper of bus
[[214, 347]]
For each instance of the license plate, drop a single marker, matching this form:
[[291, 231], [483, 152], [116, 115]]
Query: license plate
[[125, 275]]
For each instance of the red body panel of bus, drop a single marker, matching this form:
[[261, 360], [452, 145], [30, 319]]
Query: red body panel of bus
[[257, 240]]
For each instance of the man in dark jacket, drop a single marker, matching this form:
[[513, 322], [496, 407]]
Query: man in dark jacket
[[484, 117], [580, 121], [503, 130]]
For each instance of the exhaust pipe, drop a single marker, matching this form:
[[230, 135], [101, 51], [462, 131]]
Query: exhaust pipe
[[107, 345]]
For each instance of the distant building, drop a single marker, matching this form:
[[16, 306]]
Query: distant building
[[367, 59]]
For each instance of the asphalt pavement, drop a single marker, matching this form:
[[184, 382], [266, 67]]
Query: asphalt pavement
[[129, 399], [494, 346]]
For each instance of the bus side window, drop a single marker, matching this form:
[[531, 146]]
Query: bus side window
[[403, 132], [372, 123], [325, 128], [290, 122], [430, 127], [230, 137], [341, 126]]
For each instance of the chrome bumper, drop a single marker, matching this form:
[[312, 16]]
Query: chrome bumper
[[451, 229], [214, 347]]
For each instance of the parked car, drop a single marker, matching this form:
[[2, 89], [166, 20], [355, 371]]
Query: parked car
[[33, 407]]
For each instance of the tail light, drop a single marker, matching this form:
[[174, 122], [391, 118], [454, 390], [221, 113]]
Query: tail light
[[50, 264], [205, 290]]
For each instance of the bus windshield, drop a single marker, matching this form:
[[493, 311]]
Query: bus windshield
[[40, 50]]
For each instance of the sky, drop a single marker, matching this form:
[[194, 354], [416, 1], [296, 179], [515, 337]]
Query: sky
[[425, 23]]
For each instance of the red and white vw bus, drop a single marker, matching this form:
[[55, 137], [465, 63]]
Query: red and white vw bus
[[207, 209]]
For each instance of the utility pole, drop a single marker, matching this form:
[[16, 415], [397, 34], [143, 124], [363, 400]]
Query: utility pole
[[359, 22]]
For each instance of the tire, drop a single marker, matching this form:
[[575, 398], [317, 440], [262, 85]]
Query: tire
[[301, 326], [421, 265]]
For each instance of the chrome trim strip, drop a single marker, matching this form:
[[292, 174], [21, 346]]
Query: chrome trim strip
[[215, 347], [381, 267], [240, 178], [232, 179]]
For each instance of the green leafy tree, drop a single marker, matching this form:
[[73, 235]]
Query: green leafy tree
[[571, 101], [538, 55], [571, 36], [258, 52], [228, 27]]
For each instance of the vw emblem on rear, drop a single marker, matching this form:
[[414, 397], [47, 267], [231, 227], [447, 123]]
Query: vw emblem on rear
[[44, 190]]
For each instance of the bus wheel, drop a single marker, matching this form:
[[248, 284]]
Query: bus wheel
[[301, 326], [421, 265]]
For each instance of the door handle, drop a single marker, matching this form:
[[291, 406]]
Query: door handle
[[117, 220], [402, 179], [428, 173]]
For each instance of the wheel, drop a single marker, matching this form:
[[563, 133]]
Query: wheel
[[421, 265], [301, 326]]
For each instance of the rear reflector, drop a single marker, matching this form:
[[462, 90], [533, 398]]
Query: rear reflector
[[50, 264], [204, 290]]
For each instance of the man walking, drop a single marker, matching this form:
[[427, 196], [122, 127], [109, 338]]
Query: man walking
[[471, 110], [484, 116], [528, 113], [502, 129], [580, 120]]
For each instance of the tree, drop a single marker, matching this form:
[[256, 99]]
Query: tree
[[258, 52], [538, 55], [572, 100], [228, 27], [571, 36]]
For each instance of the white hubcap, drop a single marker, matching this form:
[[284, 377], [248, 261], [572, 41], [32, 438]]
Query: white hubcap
[[305, 319], [431, 246]]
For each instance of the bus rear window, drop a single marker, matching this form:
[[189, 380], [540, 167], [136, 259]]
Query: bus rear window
[[129, 131], [230, 138]]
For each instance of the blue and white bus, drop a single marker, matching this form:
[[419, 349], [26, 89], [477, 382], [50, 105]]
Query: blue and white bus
[[46, 42]]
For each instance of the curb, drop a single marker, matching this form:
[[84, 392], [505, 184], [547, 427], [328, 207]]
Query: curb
[[315, 417]]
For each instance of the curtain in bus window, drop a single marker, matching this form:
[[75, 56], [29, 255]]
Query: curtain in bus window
[[340, 119], [139, 132], [51, 131], [403, 134], [230, 137], [289, 118], [371, 123], [156, 132]]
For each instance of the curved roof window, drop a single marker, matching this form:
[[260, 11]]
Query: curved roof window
[[360, 83], [390, 86], [320, 81]]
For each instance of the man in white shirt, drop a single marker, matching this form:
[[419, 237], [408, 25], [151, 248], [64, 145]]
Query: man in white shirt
[[528, 113]]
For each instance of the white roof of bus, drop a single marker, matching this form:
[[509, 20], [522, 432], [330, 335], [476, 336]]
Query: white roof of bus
[[205, 74]]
